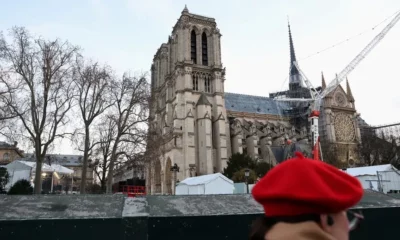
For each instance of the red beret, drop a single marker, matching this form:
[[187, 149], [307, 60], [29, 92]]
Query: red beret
[[306, 186]]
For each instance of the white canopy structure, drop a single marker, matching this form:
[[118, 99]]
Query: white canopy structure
[[206, 184], [25, 170], [379, 178]]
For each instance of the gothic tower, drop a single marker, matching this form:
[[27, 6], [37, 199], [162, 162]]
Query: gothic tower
[[187, 80], [339, 128]]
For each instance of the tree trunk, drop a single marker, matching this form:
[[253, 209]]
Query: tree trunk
[[38, 175], [110, 178], [103, 186], [85, 160], [111, 167], [103, 179]]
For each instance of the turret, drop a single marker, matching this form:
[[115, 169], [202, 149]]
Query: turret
[[204, 135]]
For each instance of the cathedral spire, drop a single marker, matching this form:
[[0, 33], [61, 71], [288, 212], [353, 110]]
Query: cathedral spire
[[293, 68], [185, 10], [348, 90], [323, 85]]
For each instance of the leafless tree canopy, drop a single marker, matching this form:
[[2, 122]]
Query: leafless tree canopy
[[42, 80], [37, 88], [377, 150], [93, 96], [130, 114], [102, 151]]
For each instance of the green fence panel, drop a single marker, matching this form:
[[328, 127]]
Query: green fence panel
[[115, 217], [62, 229]]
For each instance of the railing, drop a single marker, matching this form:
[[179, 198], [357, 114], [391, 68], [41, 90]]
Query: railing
[[133, 191]]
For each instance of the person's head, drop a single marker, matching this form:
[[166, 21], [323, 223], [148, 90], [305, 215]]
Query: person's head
[[301, 189]]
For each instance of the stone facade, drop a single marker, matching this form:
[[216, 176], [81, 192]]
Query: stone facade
[[9, 153], [200, 126]]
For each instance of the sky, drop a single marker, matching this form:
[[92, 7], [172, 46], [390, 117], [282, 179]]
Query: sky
[[255, 47]]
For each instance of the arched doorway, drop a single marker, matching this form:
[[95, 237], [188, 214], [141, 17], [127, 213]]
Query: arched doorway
[[157, 176], [168, 177]]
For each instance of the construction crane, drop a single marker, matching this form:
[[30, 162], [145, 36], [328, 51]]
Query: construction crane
[[316, 98]]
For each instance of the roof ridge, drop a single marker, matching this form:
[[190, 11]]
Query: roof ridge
[[241, 94]]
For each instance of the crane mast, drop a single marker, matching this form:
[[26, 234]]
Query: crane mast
[[315, 112]]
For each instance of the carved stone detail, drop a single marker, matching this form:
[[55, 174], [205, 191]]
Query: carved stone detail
[[203, 22], [236, 128], [340, 99], [344, 128], [184, 24]]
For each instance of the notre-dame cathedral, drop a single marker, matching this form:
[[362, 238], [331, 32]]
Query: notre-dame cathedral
[[200, 125]]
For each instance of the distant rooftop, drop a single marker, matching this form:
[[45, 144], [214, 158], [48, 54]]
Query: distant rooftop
[[62, 159]]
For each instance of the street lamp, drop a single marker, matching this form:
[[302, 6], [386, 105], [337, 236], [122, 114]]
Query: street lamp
[[174, 169], [246, 176]]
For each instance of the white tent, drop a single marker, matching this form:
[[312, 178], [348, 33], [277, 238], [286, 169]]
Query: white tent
[[206, 184], [389, 177], [26, 170]]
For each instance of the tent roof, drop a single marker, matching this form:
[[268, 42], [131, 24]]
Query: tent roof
[[45, 167], [204, 179], [370, 170], [60, 169]]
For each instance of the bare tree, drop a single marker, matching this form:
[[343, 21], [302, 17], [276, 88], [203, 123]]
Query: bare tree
[[37, 76], [102, 152], [92, 84], [130, 113], [378, 148]]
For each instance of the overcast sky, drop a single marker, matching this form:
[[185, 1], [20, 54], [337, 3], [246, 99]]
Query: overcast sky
[[255, 46]]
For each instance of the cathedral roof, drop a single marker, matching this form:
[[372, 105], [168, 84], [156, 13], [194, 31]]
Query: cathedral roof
[[253, 104], [203, 100]]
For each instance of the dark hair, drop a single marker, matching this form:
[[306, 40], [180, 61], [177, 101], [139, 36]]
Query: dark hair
[[263, 224]]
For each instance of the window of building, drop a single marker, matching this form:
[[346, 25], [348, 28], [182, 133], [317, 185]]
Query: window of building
[[173, 90], [195, 83], [6, 157], [204, 49], [193, 51], [207, 84]]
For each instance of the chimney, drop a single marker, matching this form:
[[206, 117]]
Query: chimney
[[15, 143]]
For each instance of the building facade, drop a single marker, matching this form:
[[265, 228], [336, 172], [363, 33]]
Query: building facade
[[9, 153], [200, 126]]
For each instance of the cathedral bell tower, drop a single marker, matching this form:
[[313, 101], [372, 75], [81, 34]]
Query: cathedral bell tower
[[188, 85]]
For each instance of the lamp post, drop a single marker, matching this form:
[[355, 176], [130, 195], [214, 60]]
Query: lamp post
[[246, 176], [174, 169]]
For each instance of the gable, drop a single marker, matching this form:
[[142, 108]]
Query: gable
[[338, 89]]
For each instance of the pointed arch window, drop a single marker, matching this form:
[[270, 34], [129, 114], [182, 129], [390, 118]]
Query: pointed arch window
[[207, 84], [204, 49], [195, 79], [193, 51]]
